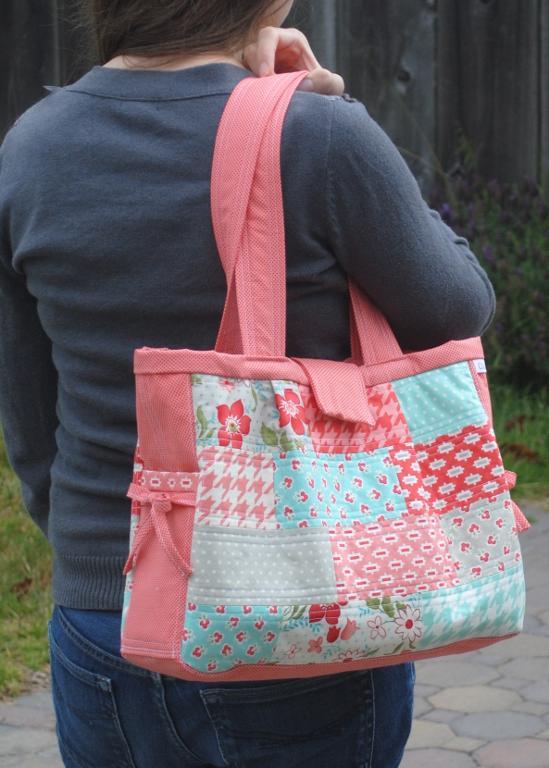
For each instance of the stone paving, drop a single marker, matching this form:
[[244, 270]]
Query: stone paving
[[487, 709], [490, 708]]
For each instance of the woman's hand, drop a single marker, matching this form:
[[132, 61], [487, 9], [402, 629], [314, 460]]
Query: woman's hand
[[287, 50]]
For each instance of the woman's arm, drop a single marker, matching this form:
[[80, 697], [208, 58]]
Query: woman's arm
[[28, 386], [422, 276]]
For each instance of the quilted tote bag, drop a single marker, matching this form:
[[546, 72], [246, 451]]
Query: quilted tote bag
[[300, 517]]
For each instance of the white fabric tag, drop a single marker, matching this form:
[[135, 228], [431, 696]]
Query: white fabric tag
[[480, 365]]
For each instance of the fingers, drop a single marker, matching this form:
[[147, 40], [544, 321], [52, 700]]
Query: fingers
[[323, 81], [279, 50], [287, 50]]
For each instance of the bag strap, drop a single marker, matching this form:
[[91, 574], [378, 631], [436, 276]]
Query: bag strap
[[248, 223]]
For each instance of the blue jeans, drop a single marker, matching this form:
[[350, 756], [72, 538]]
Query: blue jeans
[[112, 714]]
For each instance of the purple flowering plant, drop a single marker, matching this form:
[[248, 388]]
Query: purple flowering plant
[[507, 226]]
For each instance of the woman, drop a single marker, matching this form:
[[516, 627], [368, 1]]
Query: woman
[[107, 246]]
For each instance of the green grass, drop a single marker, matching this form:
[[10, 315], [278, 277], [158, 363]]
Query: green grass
[[521, 423], [25, 592]]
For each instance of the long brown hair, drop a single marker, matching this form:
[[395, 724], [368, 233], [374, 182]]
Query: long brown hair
[[166, 28]]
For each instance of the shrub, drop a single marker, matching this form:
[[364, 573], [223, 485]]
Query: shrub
[[507, 226]]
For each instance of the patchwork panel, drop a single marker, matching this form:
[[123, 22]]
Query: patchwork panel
[[259, 566], [396, 557], [317, 541], [254, 415], [331, 435], [440, 401], [219, 637], [461, 467], [312, 491], [279, 415], [482, 539], [404, 459], [385, 627], [236, 489], [492, 607]]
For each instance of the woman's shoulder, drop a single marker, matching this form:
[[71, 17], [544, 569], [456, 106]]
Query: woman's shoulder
[[33, 132], [334, 143], [337, 124], [345, 109], [325, 141]]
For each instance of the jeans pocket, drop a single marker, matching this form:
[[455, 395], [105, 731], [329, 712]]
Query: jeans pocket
[[85, 707], [320, 721]]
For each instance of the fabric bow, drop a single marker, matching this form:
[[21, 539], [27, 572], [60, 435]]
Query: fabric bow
[[156, 505]]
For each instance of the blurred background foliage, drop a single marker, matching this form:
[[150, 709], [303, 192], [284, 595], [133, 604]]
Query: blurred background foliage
[[507, 226]]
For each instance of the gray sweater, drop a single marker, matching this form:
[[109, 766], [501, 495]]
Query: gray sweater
[[104, 207]]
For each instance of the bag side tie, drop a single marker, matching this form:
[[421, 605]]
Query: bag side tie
[[156, 505]]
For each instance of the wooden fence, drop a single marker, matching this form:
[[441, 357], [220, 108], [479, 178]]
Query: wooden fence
[[434, 72], [431, 72]]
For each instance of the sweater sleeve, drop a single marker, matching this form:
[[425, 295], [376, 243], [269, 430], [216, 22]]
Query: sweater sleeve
[[28, 384], [415, 268]]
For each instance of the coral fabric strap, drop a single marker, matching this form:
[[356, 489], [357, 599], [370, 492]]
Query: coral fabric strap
[[372, 338], [248, 222], [247, 217]]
